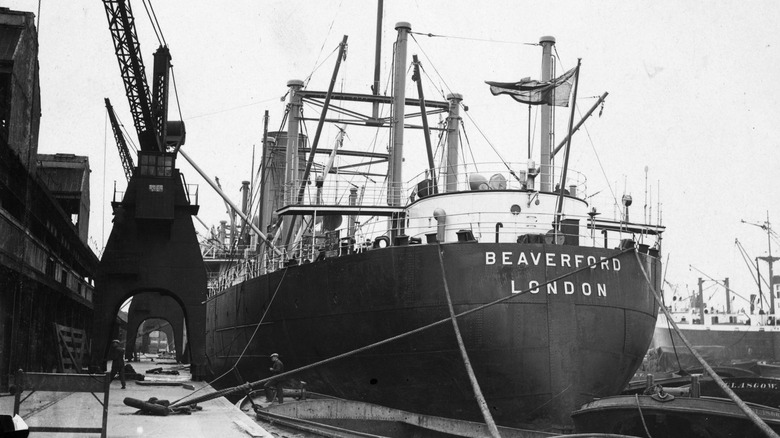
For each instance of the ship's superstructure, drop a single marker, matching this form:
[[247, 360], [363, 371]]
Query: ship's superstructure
[[559, 307]]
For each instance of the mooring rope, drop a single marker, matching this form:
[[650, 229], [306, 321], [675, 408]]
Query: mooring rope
[[472, 377], [738, 401], [258, 383], [642, 416]]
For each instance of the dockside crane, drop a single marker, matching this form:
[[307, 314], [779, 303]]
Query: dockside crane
[[149, 110], [153, 254]]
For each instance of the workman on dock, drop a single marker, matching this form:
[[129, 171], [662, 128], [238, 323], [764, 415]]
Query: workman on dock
[[117, 355], [277, 367]]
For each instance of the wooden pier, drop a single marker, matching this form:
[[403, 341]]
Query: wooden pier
[[218, 417]]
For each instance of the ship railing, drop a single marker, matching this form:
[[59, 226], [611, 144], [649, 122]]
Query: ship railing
[[468, 226], [217, 251], [336, 192], [470, 177], [493, 176], [504, 226], [715, 318], [238, 272], [119, 195], [484, 226], [191, 191]]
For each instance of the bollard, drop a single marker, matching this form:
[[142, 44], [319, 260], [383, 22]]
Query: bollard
[[695, 389]]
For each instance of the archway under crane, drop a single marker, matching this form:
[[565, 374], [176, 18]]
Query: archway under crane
[[156, 311]]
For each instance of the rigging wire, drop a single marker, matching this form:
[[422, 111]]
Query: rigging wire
[[430, 61], [128, 137], [749, 263], [233, 108], [745, 258], [103, 201], [248, 343], [737, 294], [155, 25], [590, 139], [176, 93], [433, 35], [471, 119], [322, 47], [467, 142], [317, 67]]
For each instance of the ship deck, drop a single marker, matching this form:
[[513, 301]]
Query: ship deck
[[218, 417]]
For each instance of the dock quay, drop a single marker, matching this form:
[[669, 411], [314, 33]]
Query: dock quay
[[218, 417]]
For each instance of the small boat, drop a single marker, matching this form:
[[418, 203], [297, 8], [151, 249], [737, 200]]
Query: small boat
[[760, 390], [670, 417], [769, 369], [319, 415], [754, 389]]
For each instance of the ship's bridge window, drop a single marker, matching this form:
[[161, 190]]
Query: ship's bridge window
[[153, 164]]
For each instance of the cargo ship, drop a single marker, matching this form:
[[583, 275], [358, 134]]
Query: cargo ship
[[559, 301], [747, 335]]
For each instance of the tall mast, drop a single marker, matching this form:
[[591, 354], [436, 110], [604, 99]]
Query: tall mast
[[769, 259], [291, 171], [291, 152], [377, 56], [399, 100], [453, 126], [547, 43]]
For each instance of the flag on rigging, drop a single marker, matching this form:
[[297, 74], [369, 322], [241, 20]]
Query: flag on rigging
[[555, 92]]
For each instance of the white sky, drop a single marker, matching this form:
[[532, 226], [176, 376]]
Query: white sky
[[693, 95]]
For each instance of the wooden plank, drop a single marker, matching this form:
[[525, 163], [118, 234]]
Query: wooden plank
[[66, 429], [93, 383], [64, 382], [73, 366], [60, 358], [73, 344]]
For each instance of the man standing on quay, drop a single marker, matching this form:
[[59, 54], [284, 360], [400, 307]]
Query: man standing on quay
[[117, 355]]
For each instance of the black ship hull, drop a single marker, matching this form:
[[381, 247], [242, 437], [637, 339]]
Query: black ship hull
[[739, 342], [537, 357]]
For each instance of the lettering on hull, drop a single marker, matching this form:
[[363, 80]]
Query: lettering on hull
[[555, 260], [598, 290], [550, 259]]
